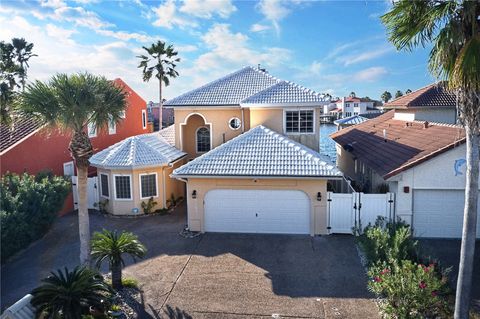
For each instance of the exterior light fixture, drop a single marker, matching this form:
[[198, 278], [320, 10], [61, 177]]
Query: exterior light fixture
[[319, 196], [194, 194]]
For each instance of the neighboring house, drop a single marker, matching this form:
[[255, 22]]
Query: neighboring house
[[254, 141], [431, 103], [354, 120], [154, 115], [137, 169], [29, 147], [422, 162], [351, 106]]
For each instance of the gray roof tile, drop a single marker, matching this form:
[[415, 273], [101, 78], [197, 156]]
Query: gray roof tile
[[260, 152], [137, 151], [247, 85], [168, 134]]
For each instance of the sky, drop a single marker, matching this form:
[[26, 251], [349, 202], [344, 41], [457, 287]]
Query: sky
[[333, 47]]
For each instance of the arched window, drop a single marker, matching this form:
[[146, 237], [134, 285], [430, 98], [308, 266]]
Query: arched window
[[203, 139]]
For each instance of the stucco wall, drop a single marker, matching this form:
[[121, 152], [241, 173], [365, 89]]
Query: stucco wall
[[187, 121], [318, 209], [437, 173], [164, 191], [445, 115], [274, 119]]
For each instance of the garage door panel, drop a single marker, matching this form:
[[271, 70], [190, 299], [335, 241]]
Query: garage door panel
[[439, 213], [257, 211]]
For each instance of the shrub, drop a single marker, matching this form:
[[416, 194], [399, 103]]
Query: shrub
[[388, 242], [410, 290], [29, 206], [69, 294], [173, 201], [148, 206]]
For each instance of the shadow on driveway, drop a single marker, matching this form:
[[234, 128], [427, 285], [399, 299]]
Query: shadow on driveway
[[213, 275]]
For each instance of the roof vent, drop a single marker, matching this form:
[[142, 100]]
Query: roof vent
[[385, 135], [425, 124], [259, 68]]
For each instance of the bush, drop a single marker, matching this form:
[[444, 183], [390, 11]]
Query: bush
[[29, 206], [388, 242], [410, 290]]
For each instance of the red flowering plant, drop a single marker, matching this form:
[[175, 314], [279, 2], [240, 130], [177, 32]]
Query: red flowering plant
[[410, 290]]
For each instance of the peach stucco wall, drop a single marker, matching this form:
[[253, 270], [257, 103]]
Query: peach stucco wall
[[318, 209], [166, 186]]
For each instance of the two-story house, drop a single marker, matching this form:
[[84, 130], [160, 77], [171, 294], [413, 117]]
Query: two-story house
[[251, 145], [351, 106]]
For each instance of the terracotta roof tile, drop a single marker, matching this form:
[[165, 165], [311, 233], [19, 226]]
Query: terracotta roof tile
[[20, 128], [433, 95], [407, 143]]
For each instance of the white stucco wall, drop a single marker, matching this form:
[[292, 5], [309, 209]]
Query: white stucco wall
[[437, 173], [427, 114]]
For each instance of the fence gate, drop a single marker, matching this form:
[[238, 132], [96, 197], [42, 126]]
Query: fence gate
[[92, 192], [346, 211]]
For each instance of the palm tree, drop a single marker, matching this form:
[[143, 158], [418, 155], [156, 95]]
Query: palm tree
[[398, 94], [71, 102], [386, 96], [69, 294], [408, 91], [454, 29], [23, 53], [352, 94], [111, 246], [161, 62]]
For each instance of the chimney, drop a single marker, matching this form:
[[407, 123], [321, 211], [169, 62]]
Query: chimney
[[385, 135], [425, 124]]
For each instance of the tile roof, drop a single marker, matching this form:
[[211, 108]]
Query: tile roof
[[433, 95], [407, 143], [351, 120], [21, 127], [137, 151], [260, 152], [285, 92], [238, 87], [168, 134]]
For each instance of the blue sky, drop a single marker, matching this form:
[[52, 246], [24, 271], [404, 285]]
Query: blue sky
[[329, 46]]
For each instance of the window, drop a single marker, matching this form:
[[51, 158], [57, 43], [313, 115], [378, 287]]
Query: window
[[347, 104], [123, 187], [347, 114], [355, 113], [234, 123], [355, 104], [105, 191], [112, 126], [92, 129], [203, 140], [144, 119], [299, 121], [68, 169], [148, 185]]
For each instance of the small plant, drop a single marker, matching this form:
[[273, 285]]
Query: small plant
[[410, 290], [102, 206], [126, 282], [111, 246], [388, 242], [148, 206], [69, 294], [116, 308], [173, 201]]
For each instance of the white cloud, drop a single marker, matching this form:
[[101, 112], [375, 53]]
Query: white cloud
[[274, 11], [370, 75], [166, 16], [186, 48], [61, 34], [257, 27], [365, 55], [207, 8], [126, 36]]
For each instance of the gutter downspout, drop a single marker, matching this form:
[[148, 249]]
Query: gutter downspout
[[186, 200], [243, 120], [164, 191]]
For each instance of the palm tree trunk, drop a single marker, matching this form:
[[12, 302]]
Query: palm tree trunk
[[117, 276], [160, 111], [83, 219], [464, 283]]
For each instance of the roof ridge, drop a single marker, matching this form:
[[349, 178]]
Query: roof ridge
[[437, 123]]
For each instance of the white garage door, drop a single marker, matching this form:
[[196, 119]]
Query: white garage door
[[439, 213], [257, 211]]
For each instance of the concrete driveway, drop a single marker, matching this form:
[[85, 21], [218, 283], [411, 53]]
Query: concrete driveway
[[215, 275]]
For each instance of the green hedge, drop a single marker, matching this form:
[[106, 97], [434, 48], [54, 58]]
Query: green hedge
[[29, 206]]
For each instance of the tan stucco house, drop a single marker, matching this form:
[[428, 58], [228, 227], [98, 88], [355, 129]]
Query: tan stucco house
[[252, 142]]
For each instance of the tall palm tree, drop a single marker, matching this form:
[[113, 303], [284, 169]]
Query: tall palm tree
[[69, 294], [111, 246], [454, 29], [71, 102], [161, 60], [398, 94], [386, 96], [23, 53]]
